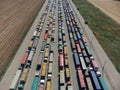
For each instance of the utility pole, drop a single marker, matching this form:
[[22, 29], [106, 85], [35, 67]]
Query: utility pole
[[91, 42], [85, 26], [103, 68]]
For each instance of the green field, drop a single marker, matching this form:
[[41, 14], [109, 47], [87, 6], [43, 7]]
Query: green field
[[106, 30]]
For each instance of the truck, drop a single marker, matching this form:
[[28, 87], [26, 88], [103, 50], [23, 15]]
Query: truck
[[48, 85], [24, 59], [102, 83], [43, 71], [84, 68], [94, 79], [81, 79], [16, 78], [46, 54], [41, 87], [30, 44], [42, 47], [51, 58], [24, 75], [38, 35], [94, 64], [65, 50], [61, 63], [66, 62], [52, 47], [81, 44], [35, 43], [30, 57], [20, 86], [48, 41], [88, 50], [78, 48], [35, 83], [50, 68], [76, 59], [62, 78], [67, 74], [89, 84], [35, 33]]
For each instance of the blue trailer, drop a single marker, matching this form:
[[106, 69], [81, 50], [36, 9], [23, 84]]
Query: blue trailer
[[84, 53], [94, 79], [42, 46], [78, 36], [52, 47], [69, 29], [76, 59], [73, 30], [87, 61], [75, 37]]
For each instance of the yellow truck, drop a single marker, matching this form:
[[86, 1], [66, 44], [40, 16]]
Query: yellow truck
[[23, 77], [67, 74]]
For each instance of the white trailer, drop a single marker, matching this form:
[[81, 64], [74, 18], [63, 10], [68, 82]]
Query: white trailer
[[50, 68], [14, 83], [83, 64], [62, 78], [51, 58], [35, 33], [30, 57]]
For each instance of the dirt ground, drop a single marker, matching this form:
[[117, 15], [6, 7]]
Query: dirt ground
[[110, 7], [16, 17]]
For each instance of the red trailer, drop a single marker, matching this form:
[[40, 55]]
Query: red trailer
[[78, 48], [84, 39], [81, 79], [61, 60], [24, 59], [45, 35], [94, 64]]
